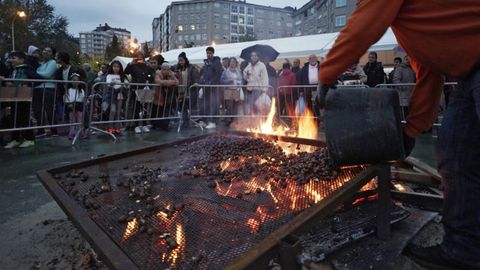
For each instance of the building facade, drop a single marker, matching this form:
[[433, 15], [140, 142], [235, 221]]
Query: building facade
[[322, 16], [203, 22], [94, 43]]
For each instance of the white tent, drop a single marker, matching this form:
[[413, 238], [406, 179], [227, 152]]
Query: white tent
[[289, 47], [123, 60]]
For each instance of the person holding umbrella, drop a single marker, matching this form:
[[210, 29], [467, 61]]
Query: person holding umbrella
[[426, 30]]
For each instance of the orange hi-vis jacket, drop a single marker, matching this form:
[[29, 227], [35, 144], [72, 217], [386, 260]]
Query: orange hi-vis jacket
[[441, 37]]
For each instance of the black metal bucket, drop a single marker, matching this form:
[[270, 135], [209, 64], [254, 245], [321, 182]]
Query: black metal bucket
[[363, 126]]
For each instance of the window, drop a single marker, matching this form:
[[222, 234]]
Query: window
[[241, 30], [241, 19], [340, 3], [193, 27], [340, 20], [234, 9], [216, 26], [250, 20], [180, 37], [279, 23], [234, 18], [234, 38], [180, 17], [180, 7], [217, 36], [225, 27], [216, 16], [242, 10], [225, 16], [289, 24], [180, 28], [217, 5], [204, 36], [250, 30], [234, 29], [250, 11], [298, 22]]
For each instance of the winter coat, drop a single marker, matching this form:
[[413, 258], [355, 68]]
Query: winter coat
[[211, 71], [353, 76], [231, 77], [375, 74], [193, 75], [47, 71], [303, 75], [167, 82], [256, 75], [140, 73], [404, 74], [286, 78], [24, 72]]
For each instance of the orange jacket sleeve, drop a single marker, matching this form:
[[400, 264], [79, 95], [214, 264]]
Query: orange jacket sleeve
[[366, 26], [425, 100]]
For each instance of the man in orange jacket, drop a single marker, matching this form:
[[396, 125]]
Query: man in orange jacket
[[442, 38]]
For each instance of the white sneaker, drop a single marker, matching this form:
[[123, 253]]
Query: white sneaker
[[138, 130], [26, 144], [211, 125], [145, 129], [11, 145]]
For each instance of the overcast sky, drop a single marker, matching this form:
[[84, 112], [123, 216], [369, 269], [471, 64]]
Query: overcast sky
[[134, 15]]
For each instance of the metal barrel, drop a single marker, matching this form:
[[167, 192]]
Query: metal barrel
[[363, 126]]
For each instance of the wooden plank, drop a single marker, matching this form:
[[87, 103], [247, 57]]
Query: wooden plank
[[414, 177], [424, 168], [259, 256], [425, 201]]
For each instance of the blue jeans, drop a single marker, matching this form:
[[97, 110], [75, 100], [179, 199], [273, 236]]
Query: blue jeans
[[458, 154]]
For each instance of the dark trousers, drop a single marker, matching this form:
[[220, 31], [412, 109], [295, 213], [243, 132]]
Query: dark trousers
[[209, 104], [458, 154], [22, 119], [160, 112], [44, 107]]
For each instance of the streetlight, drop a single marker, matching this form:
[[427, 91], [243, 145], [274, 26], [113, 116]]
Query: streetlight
[[20, 14]]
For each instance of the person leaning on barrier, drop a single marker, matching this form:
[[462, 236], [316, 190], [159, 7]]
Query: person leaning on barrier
[[441, 38], [45, 94], [20, 111], [187, 75], [256, 76], [140, 74], [164, 102]]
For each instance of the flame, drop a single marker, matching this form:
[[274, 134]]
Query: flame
[[132, 228], [306, 128], [400, 187], [314, 195]]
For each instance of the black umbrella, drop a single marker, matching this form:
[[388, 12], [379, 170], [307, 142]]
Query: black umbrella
[[262, 52]]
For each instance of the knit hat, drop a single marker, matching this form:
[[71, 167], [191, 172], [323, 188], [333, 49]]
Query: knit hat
[[31, 49]]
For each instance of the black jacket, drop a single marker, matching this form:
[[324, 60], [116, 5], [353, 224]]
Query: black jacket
[[59, 77], [211, 71], [302, 77], [375, 74], [140, 73]]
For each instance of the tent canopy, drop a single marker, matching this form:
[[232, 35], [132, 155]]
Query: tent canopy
[[290, 47]]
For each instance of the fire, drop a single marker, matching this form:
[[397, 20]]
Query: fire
[[132, 228], [400, 187], [225, 164], [314, 195], [306, 128], [180, 239]]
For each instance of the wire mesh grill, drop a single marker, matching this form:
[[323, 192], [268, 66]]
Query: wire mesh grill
[[193, 225]]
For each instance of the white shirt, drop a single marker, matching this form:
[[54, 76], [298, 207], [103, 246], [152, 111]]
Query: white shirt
[[312, 74], [256, 75], [115, 80]]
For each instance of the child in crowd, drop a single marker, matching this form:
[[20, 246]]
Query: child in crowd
[[114, 95], [74, 100]]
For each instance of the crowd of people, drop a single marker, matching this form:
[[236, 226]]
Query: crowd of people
[[153, 89]]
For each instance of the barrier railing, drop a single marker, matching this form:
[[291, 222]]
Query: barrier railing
[[29, 105], [114, 106]]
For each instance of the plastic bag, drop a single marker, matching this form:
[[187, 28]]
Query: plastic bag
[[242, 95], [145, 95], [300, 106], [200, 93], [263, 103]]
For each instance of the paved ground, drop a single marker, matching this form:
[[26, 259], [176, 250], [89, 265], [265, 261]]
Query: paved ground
[[36, 233]]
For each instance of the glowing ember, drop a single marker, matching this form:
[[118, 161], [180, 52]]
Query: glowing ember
[[132, 227], [400, 187], [180, 239]]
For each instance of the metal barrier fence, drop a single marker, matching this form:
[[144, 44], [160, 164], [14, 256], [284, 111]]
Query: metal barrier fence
[[114, 106], [210, 102], [28, 105]]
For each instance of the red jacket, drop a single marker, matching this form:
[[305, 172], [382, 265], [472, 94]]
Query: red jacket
[[287, 77], [441, 37]]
